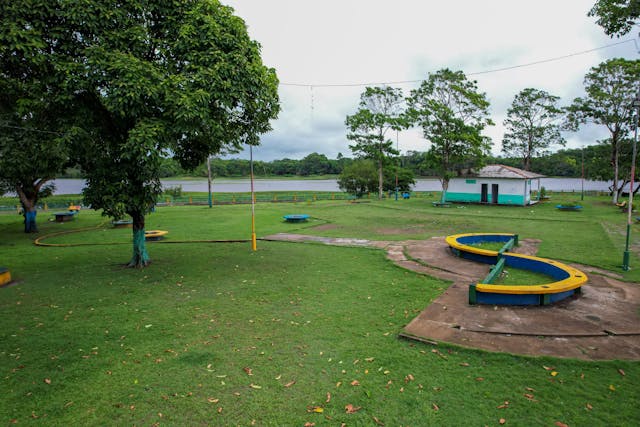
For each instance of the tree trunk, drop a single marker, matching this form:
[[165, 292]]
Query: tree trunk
[[445, 187], [616, 169], [28, 210], [380, 179], [140, 257]]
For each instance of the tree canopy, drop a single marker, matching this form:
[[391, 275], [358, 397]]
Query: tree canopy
[[616, 17], [610, 90], [532, 125], [380, 110], [452, 114]]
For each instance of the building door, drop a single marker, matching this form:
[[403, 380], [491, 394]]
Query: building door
[[494, 193], [484, 194]]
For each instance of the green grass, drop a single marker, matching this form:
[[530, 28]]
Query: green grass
[[88, 342], [519, 277]]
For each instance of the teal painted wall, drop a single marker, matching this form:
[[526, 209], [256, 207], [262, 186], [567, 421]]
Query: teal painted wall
[[503, 199]]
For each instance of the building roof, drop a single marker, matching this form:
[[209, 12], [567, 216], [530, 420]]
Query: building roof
[[502, 171]]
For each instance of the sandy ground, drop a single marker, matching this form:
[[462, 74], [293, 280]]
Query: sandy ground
[[601, 324]]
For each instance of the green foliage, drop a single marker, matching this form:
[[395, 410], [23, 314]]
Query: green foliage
[[532, 125], [175, 191], [616, 17], [452, 115], [611, 88], [359, 178], [32, 114], [405, 179], [380, 110], [315, 164]]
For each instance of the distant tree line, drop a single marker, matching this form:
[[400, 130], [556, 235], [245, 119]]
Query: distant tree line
[[563, 163]]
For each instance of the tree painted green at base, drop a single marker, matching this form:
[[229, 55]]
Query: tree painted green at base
[[140, 256]]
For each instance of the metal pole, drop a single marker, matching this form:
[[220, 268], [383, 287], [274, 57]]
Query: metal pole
[[582, 192], [253, 203], [209, 180], [398, 150], [627, 253]]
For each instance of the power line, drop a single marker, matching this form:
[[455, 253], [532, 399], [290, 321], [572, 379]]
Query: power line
[[31, 130], [495, 70]]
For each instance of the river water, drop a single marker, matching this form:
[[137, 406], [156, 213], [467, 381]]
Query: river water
[[74, 186]]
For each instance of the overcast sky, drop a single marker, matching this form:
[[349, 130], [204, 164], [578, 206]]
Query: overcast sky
[[316, 44]]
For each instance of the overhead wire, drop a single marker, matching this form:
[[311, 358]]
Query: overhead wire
[[494, 70]]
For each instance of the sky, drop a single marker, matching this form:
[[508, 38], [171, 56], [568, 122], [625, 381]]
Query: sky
[[326, 52]]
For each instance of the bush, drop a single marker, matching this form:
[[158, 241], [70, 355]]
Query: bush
[[174, 191]]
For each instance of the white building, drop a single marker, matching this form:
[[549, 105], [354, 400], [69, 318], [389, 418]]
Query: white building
[[495, 184]]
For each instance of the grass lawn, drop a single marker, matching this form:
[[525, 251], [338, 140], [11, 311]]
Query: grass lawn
[[215, 334]]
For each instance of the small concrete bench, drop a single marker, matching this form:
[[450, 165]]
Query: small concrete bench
[[65, 216]]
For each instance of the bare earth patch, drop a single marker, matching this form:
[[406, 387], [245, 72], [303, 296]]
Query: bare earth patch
[[601, 324]]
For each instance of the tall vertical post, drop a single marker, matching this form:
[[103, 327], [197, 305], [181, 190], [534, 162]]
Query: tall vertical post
[[636, 114], [398, 165], [209, 180], [582, 192], [253, 203]]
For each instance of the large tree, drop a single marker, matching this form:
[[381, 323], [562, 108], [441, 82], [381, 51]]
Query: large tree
[[616, 17], [610, 90], [532, 125], [380, 110], [151, 78], [452, 114], [33, 114]]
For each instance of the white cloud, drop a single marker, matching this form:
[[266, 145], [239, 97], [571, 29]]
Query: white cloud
[[370, 41]]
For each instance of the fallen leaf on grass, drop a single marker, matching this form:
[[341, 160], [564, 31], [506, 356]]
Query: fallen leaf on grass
[[328, 397], [309, 424], [530, 389], [350, 409], [530, 397], [47, 380], [408, 378], [464, 364], [612, 387], [588, 406], [355, 383], [316, 409], [220, 410], [559, 424], [255, 386], [290, 383], [502, 421], [554, 373], [212, 400], [548, 368], [621, 372], [435, 407], [504, 405], [248, 370], [479, 379], [377, 421]]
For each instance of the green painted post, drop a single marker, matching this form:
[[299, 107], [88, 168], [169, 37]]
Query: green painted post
[[473, 294]]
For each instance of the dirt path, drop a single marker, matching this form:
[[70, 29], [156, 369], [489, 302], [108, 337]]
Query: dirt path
[[601, 324]]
